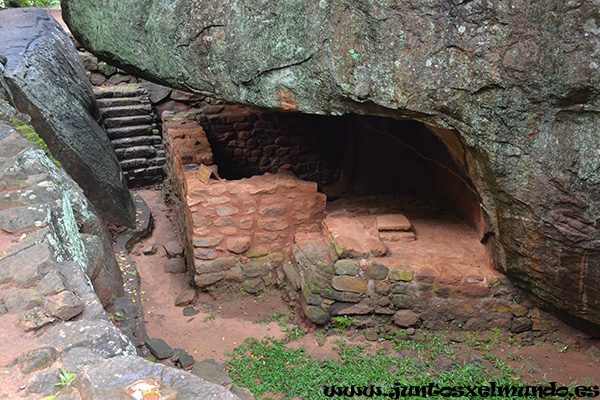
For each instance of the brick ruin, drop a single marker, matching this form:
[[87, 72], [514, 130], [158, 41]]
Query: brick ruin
[[368, 217], [346, 210]]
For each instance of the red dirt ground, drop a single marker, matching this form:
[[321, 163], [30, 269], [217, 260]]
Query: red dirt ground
[[226, 318]]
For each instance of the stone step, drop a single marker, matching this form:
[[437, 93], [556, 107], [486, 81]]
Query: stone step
[[119, 101], [135, 152], [128, 121], [129, 131], [119, 91], [137, 141], [126, 111]]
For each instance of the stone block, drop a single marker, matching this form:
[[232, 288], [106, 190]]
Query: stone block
[[33, 319], [346, 267], [225, 211], [400, 274], [427, 275], [403, 301], [64, 305], [225, 221], [205, 254], [238, 244], [220, 265], [272, 224], [315, 314], [406, 318], [246, 223], [346, 297], [272, 209], [22, 299], [393, 222], [36, 359], [253, 285], [184, 298], [206, 242], [257, 251], [159, 348], [392, 236], [349, 284], [376, 271]]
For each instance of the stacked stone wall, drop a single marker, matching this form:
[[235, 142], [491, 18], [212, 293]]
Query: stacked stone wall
[[404, 289]]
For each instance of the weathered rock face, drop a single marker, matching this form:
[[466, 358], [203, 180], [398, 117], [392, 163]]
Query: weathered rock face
[[48, 82], [517, 82]]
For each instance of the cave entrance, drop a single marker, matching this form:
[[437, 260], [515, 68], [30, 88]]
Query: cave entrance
[[354, 159], [364, 216]]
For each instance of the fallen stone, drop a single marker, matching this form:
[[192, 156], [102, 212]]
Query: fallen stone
[[33, 319], [211, 371], [111, 379], [184, 298], [18, 218], [64, 305], [159, 348], [173, 249], [148, 251], [79, 357], [190, 311], [406, 318], [99, 336], [175, 266], [186, 362], [44, 382], [392, 222], [35, 359]]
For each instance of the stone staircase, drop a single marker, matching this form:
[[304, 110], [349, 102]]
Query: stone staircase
[[130, 123]]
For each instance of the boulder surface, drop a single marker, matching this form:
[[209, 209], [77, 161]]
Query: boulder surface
[[512, 88], [48, 82]]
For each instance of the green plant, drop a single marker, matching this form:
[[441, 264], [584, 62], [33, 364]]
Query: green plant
[[66, 379], [209, 317], [268, 365], [341, 323], [353, 54]]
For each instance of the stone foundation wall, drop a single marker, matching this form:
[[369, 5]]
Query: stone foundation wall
[[402, 289]]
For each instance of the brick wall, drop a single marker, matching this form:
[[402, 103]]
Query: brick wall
[[236, 230], [249, 141]]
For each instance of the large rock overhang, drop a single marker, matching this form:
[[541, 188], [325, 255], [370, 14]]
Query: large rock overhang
[[518, 81]]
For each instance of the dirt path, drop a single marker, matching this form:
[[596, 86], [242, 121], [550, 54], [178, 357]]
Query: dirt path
[[227, 318]]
